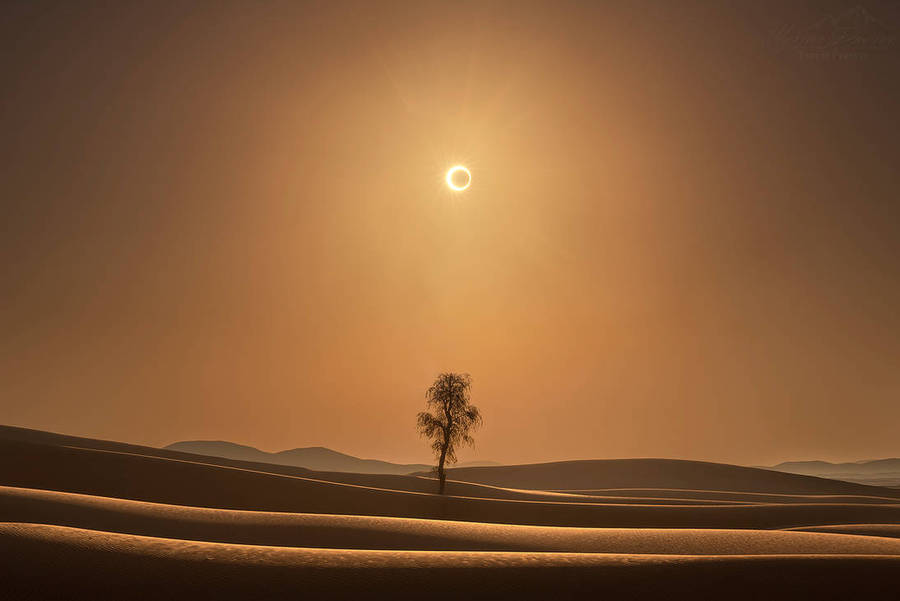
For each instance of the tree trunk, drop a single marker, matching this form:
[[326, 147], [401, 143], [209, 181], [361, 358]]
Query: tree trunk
[[441, 475]]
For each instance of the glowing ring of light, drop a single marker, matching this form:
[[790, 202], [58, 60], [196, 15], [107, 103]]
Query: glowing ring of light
[[452, 171]]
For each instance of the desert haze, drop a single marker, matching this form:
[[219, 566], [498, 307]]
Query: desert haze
[[466, 300]]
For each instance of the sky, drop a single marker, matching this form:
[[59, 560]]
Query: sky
[[229, 221]]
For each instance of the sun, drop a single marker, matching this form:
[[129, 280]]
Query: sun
[[459, 178]]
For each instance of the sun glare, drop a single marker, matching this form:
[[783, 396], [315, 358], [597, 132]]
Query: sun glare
[[459, 178]]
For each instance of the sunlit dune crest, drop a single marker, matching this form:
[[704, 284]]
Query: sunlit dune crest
[[265, 572], [373, 532]]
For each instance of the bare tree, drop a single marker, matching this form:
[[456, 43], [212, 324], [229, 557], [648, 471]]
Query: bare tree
[[450, 419]]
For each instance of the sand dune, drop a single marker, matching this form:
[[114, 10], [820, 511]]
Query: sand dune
[[27, 435], [122, 475], [51, 561], [370, 532], [115, 474], [11, 440], [889, 530], [428, 484], [658, 473], [663, 495], [644, 474], [120, 521]]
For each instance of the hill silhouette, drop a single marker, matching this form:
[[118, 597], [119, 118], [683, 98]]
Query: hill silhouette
[[314, 458], [89, 564], [878, 472]]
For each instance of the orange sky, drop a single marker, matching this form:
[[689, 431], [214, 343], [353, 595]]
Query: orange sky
[[229, 221]]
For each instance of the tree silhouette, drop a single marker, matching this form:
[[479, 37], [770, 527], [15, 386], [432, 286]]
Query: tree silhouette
[[450, 418]]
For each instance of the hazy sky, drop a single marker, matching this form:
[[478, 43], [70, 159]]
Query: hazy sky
[[229, 221]]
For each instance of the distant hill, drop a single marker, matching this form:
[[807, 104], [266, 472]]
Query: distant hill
[[815, 468], [310, 458], [477, 464], [877, 472], [321, 459]]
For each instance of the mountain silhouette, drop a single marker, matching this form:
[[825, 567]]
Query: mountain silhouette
[[320, 459], [877, 472]]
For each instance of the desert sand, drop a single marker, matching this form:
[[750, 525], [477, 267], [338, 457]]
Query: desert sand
[[98, 519]]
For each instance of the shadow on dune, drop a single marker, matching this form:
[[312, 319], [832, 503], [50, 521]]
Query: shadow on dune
[[657, 473], [55, 562], [370, 532], [115, 474], [468, 546]]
